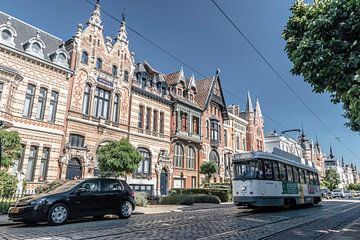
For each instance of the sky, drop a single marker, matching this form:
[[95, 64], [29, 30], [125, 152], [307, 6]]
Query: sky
[[198, 34]]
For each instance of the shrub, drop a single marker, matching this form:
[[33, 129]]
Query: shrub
[[224, 194], [7, 184], [203, 198], [178, 199], [141, 199]]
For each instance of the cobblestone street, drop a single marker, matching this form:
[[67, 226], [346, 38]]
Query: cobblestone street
[[319, 222]]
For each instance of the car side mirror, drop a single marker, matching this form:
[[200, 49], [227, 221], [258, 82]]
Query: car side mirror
[[82, 189]]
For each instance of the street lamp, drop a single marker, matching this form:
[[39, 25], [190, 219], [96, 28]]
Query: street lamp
[[181, 182]]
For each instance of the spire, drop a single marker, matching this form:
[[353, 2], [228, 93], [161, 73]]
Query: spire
[[122, 34], [95, 18], [192, 81], [249, 106], [331, 153], [258, 109], [342, 161]]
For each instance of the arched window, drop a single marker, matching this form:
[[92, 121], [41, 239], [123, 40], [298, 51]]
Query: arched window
[[126, 76], [178, 155], [191, 158], [145, 164], [98, 63], [84, 57], [86, 99], [114, 70], [215, 157], [116, 109]]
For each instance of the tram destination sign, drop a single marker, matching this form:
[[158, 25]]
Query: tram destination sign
[[240, 156]]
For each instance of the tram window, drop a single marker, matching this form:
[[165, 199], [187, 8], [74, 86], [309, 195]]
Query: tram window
[[317, 179], [268, 169], [302, 177], [312, 180], [296, 174], [289, 173], [276, 171], [307, 177], [282, 171], [304, 174], [259, 170]]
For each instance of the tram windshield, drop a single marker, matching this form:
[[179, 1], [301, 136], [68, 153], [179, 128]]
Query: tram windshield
[[246, 170]]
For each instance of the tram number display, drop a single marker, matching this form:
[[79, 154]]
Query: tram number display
[[290, 188]]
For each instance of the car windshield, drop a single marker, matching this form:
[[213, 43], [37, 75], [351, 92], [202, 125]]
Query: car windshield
[[246, 170], [65, 187]]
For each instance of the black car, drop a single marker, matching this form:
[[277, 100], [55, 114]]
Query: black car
[[76, 198]]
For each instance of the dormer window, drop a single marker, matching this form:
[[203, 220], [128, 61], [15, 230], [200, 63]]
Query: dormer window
[[62, 57], [36, 47], [98, 63], [6, 35], [180, 92], [191, 97]]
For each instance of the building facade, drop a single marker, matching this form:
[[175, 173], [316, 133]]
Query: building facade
[[34, 83]]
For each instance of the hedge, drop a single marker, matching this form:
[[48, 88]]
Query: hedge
[[177, 199], [204, 198], [224, 194]]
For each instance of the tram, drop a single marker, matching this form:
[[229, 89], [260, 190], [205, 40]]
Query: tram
[[263, 179]]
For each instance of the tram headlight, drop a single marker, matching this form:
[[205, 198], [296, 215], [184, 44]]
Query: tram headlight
[[243, 188]]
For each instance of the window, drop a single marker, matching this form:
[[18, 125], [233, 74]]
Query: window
[[110, 185], [195, 127], [77, 140], [307, 177], [86, 100], [282, 172], [1, 89], [312, 182], [141, 117], [302, 176], [180, 92], [44, 164], [244, 144], [161, 122], [6, 35], [29, 100], [36, 47], [41, 104], [268, 170], [178, 155], [17, 167], [85, 57], [214, 131], [238, 142], [207, 128], [148, 118], [191, 158], [296, 174], [276, 171], [31, 163], [126, 76], [53, 106], [116, 109], [101, 103], [225, 137], [91, 185], [219, 133], [155, 120], [98, 63], [114, 70], [290, 177], [193, 182], [215, 157], [183, 121], [145, 164]]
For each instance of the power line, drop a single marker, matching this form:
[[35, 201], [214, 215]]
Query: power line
[[176, 58], [282, 79]]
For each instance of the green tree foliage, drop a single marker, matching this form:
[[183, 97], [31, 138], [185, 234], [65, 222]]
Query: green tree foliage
[[331, 179], [323, 43], [11, 147], [117, 158], [7, 184], [354, 186], [208, 169]]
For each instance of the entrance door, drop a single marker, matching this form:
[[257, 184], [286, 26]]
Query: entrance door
[[163, 182], [73, 169]]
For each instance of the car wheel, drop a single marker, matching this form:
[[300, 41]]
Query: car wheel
[[58, 214], [125, 210]]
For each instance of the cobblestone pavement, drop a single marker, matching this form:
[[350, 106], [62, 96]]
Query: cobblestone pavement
[[318, 222]]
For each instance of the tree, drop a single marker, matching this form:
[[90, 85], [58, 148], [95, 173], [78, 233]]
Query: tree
[[323, 43], [208, 168], [11, 147], [118, 158], [7, 184], [331, 179]]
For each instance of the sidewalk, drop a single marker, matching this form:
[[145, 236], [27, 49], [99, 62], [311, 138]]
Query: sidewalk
[[349, 232], [152, 209]]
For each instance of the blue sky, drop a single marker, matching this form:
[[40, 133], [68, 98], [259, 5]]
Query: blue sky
[[196, 32]]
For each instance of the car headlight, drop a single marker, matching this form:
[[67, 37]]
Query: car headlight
[[39, 201]]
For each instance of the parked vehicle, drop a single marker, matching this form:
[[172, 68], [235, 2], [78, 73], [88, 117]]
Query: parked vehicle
[[325, 193], [337, 193], [76, 198], [347, 194]]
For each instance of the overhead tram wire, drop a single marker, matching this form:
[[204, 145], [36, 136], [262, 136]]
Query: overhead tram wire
[[281, 78], [177, 59]]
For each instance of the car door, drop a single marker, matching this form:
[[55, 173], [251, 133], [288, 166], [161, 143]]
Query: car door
[[86, 198], [112, 191]]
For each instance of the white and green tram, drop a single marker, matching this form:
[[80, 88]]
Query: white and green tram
[[263, 179]]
